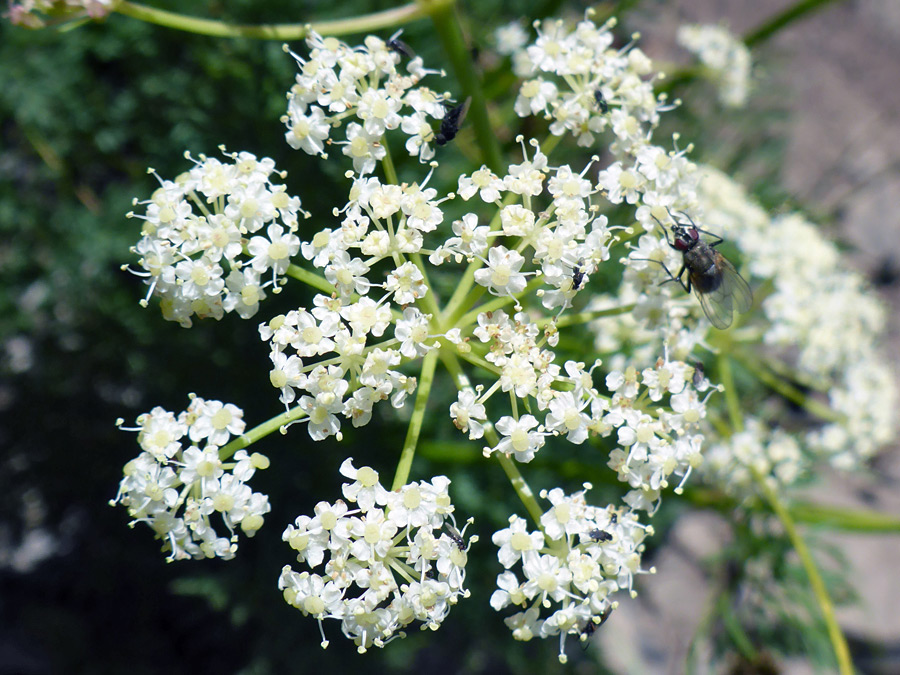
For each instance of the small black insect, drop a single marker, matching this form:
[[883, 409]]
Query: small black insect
[[601, 101], [599, 535], [577, 276], [718, 286], [399, 46], [697, 377], [455, 536], [453, 118], [594, 623]]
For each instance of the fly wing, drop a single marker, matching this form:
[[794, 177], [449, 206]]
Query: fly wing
[[732, 293], [463, 110]]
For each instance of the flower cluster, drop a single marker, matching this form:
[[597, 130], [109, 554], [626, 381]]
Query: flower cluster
[[391, 558], [586, 88], [569, 570], [383, 226], [834, 351], [566, 236], [772, 453], [180, 482], [653, 445], [725, 58], [583, 86], [196, 251], [28, 13], [337, 82]]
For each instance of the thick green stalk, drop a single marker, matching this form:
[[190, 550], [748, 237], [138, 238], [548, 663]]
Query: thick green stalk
[[423, 390], [731, 396], [296, 31], [792, 393], [839, 517], [260, 431], [310, 279], [782, 19], [445, 17], [585, 317], [838, 641]]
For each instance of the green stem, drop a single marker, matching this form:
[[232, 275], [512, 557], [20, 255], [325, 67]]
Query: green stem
[[462, 300], [310, 279], [792, 393], [481, 362], [387, 163], [833, 517], [451, 363], [260, 431], [521, 487], [856, 520], [838, 642], [779, 21], [498, 303], [445, 17], [731, 395], [429, 303], [296, 31], [585, 317], [735, 630], [423, 390], [453, 313]]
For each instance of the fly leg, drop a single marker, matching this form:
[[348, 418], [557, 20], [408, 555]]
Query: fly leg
[[674, 277]]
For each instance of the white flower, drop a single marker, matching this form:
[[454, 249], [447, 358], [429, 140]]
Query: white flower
[[413, 332], [483, 181], [364, 148], [588, 555], [307, 132], [502, 276], [515, 542], [467, 414], [275, 251], [406, 283], [518, 439], [215, 421], [510, 37], [566, 416]]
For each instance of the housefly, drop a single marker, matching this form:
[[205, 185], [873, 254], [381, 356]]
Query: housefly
[[453, 118], [718, 286]]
